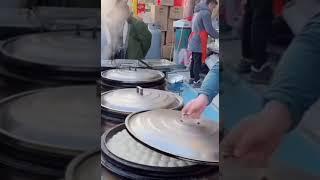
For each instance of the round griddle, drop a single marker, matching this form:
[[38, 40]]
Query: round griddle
[[133, 75], [169, 132], [54, 123], [20, 80], [16, 169], [111, 85], [131, 78], [132, 170], [126, 101], [118, 104], [15, 21], [86, 166], [61, 55]]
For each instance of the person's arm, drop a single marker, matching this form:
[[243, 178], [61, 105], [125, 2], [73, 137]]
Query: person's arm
[[210, 85], [296, 82], [296, 86], [207, 22], [144, 36], [209, 89]]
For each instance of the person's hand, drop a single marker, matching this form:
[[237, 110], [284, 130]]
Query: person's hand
[[254, 139], [195, 108]]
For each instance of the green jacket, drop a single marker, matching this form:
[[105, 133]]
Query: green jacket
[[139, 39]]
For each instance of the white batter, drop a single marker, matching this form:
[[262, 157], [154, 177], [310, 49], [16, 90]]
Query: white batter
[[127, 148]]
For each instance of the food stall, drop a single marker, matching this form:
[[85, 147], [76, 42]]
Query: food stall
[[145, 110]]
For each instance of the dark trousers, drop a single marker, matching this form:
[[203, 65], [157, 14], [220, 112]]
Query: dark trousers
[[195, 67], [257, 26]]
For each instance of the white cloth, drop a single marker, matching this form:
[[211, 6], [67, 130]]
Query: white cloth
[[125, 33], [110, 37], [107, 6], [106, 43], [113, 28]]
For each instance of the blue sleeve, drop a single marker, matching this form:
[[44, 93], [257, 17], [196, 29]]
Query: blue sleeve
[[210, 85], [207, 22], [296, 81]]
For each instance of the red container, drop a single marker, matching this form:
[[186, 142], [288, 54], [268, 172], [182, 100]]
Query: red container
[[141, 8], [278, 6], [179, 3]]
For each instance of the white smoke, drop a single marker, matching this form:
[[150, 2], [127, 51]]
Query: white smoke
[[112, 20]]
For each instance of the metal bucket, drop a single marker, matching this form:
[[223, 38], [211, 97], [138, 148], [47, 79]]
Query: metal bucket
[[38, 137]]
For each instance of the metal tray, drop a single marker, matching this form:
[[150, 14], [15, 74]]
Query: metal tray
[[52, 64], [86, 166], [157, 64], [168, 132], [132, 170], [51, 133]]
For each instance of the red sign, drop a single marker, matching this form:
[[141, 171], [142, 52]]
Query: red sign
[[141, 8]]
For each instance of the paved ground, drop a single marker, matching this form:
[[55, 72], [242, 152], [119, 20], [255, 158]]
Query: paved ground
[[230, 56]]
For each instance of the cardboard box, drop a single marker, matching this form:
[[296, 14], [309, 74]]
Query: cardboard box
[[167, 2], [163, 38], [176, 13], [146, 14], [159, 16], [167, 51], [148, 1], [170, 24], [170, 37], [143, 6]]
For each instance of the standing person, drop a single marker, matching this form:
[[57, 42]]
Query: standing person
[[201, 28], [129, 38], [257, 25]]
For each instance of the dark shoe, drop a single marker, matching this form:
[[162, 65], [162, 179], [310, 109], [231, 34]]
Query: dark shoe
[[191, 80], [262, 76], [244, 67], [196, 84]]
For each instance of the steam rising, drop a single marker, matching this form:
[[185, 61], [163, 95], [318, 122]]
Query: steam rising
[[112, 20]]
